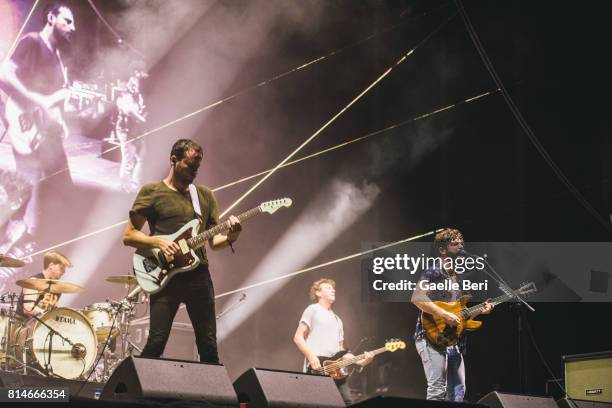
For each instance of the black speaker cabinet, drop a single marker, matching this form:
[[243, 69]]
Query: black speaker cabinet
[[137, 378], [262, 388], [500, 400]]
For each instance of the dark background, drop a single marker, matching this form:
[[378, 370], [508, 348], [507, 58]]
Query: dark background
[[471, 167]]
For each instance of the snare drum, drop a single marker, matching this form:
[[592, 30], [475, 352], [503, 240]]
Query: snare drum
[[101, 316], [43, 350]]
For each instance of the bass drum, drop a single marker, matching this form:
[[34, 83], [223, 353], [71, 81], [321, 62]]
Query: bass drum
[[62, 359]]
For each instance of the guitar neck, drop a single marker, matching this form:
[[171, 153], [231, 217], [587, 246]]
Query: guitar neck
[[349, 361], [473, 311], [200, 239]]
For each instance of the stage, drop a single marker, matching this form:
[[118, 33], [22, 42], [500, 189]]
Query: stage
[[358, 175]]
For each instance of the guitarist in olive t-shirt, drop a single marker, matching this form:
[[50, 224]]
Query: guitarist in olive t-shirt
[[167, 206], [33, 78]]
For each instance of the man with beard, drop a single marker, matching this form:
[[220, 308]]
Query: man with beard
[[444, 368], [33, 79], [167, 206]]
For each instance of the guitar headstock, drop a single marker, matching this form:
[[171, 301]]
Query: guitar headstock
[[394, 344], [271, 206], [527, 288]]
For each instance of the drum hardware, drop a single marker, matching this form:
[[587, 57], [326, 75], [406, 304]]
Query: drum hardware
[[7, 336], [50, 285], [61, 342], [127, 308], [10, 321], [123, 313]]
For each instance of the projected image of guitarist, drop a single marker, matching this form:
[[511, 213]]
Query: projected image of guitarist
[[436, 340], [33, 78], [167, 206], [320, 335]]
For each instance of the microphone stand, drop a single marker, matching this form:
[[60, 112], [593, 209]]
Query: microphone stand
[[492, 273], [52, 332], [242, 298]]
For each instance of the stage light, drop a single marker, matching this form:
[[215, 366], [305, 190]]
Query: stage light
[[337, 207]]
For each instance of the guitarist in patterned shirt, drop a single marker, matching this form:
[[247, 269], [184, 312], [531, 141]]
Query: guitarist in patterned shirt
[[444, 368]]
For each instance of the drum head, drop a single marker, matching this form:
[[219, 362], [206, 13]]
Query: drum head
[[99, 306], [65, 360], [102, 318]]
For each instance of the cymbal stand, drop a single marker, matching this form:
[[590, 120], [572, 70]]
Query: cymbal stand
[[6, 338], [7, 347], [125, 313], [128, 313]]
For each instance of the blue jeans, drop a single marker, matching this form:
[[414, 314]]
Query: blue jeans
[[444, 371]]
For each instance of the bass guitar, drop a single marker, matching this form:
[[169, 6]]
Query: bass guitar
[[154, 270], [442, 335], [337, 367]]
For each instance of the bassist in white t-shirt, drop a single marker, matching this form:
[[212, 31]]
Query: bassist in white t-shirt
[[320, 333]]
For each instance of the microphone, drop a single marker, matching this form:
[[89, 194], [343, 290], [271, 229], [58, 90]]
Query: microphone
[[78, 350], [467, 254]]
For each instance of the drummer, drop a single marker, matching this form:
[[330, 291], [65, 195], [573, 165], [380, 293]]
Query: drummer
[[36, 303]]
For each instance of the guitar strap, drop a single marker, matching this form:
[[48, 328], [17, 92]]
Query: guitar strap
[[195, 201]]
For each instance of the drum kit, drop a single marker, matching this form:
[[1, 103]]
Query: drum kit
[[63, 342]]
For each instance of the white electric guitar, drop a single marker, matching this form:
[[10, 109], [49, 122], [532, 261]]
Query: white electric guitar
[[154, 270], [29, 126]]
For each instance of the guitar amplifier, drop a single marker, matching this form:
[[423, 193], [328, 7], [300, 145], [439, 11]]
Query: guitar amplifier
[[181, 344], [589, 376]]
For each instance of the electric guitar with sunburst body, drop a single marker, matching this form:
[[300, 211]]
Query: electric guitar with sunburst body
[[442, 335], [337, 367]]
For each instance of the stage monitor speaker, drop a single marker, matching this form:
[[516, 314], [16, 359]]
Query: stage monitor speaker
[[589, 376], [567, 403], [500, 400], [148, 378], [284, 389], [399, 402]]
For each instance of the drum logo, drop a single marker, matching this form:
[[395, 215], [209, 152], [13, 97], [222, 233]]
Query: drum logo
[[65, 319]]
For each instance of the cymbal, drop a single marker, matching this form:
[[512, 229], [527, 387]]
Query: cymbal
[[122, 279], [50, 285], [8, 262]]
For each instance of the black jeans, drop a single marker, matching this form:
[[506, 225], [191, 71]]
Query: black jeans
[[195, 289]]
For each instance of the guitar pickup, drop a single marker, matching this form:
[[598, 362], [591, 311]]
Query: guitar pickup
[[184, 246]]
